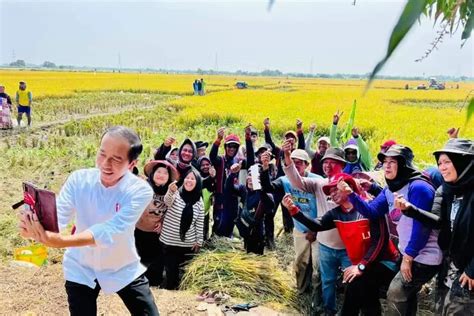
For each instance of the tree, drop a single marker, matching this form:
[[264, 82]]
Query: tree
[[48, 64], [19, 63]]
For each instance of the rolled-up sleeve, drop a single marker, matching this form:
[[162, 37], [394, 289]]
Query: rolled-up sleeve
[[65, 202], [104, 233]]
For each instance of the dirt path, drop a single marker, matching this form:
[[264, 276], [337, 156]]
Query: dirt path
[[44, 126], [32, 291]]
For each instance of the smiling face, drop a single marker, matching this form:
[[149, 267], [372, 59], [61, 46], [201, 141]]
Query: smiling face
[[187, 153], [205, 165], [300, 165], [390, 167], [446, 167], [231, 149], [190, 182], [322, 147], [332, 167], [337, 196], [201, 151], [161, 176], [351, 155], [112, 159]]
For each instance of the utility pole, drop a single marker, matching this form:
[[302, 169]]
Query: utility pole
[[216, 64], [119, 63]]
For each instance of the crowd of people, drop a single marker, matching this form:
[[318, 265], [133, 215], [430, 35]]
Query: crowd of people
[[386, 237], [23, 98]]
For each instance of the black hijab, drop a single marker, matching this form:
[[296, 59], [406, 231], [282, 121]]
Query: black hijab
[[190, 198], [405, 174]]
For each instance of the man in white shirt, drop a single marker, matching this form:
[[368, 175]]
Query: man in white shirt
[[106, 202]]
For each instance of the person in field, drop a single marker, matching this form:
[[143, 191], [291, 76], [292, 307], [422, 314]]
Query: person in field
[[416, 241], [105, 203], [292, 137], [452, 213], [225, 208], [208, 175], [332, 252], [24, 99], [5, 109], [159, 174], [373, 255], [323, 143], [356, 150], [182, 232], [306, 263]]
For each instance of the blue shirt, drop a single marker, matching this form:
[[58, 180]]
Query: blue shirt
[[110, 214]]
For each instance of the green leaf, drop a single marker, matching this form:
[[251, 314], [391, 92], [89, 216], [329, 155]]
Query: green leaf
[[470, 110], [469, 26], [412, 11]]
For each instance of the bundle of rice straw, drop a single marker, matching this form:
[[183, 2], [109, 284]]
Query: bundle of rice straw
[[241, 275]]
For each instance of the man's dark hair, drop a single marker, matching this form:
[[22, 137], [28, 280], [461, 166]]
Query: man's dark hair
[[131, 136]]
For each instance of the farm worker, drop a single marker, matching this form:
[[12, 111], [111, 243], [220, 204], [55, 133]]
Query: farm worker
[[182, 233], [332, 252], [356, 149], [383, 148], [105, 203], [256, 206], [202, 90], [373, 255], [5, 109], [172, 155], [225, 203], [195, 87], [200, 152], [292, 137], [452, 214], [159, 175], [322, 143], [304, 241], [186, 154], [208, 175], [199, 87], [24, 98], [417, 242]]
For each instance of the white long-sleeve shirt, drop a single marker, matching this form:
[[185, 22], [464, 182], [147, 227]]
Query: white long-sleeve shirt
[[110, 214]]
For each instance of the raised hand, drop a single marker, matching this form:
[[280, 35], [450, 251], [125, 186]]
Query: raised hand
[[453, 132], [235, 168], [288, 201], [312, 127], [169, 141], [173, 187], [212, 172], [220, 133], [265, 159], [299, 124], [336, 117], [266, 122], [344, 187], [355, 132]]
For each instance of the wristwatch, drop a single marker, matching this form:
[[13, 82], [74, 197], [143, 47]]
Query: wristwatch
[[361, 267]]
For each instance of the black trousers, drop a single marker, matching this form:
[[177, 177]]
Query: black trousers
[[362, 294], [175, 260], [136, 296], [151, 255]]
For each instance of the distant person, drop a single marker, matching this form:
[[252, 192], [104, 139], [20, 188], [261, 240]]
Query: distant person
[[199, 87], [5, 109], [195, 87], [24, 98], [202, 91]]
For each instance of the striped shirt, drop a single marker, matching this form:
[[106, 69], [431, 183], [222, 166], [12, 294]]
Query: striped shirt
[[170, 231]]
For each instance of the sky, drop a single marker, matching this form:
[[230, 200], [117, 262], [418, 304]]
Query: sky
[[332, 36]]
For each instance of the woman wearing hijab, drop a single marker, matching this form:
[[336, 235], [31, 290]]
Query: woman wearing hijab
[[182, 233], [159, 175], [417, 242], [453, 214]]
